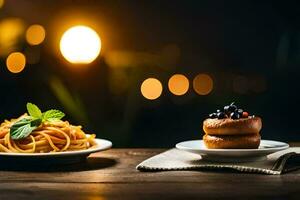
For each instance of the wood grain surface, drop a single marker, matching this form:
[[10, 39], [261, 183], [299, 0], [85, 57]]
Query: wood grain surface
[[112, 175]]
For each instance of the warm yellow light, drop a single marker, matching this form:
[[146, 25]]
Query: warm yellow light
[[1, 3], [35, 34], [151, 88], [15, 62], [11, 31], [203, 84], [80, 44], [178, 84]]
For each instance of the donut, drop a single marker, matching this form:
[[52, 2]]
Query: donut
[[228, 126], [250, 141], [231, 128]]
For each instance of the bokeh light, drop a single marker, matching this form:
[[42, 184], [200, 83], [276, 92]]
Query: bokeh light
[[35, 34], [1, 3], [15, 62], [11, 31], [203, 84], [151, 88], [178, 84], [80, 44]]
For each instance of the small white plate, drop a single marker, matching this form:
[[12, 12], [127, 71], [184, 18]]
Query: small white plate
[[238, 155], [56, 157]]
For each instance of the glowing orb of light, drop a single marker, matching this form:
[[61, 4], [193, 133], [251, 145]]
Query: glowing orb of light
[[15, 62], [151, 88], [203, 84], [35, 34], [178, 84], [80, 44]]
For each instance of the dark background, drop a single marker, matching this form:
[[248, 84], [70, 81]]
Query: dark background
[[251, 49]]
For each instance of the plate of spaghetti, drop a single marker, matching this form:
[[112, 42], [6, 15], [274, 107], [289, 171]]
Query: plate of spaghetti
[[45, 134]]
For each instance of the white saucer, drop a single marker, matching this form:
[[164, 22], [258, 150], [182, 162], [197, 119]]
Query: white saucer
[[65, 157], [101, 145], [238, 155]]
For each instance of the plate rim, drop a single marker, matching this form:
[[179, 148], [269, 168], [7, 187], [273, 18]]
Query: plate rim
[[284, 146], [105, 144]]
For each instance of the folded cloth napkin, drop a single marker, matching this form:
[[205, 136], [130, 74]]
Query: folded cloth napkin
[[174, 159]]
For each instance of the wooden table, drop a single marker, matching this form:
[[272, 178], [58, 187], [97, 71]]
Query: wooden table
[[112, 175]]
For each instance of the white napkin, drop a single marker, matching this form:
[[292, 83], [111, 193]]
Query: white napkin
[[174, 159]]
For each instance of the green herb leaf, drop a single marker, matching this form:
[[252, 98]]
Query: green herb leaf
[[22, 128], [35, 122], [33, 110], [53, 115]]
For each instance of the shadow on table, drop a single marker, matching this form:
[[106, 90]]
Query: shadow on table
[[58, 164]]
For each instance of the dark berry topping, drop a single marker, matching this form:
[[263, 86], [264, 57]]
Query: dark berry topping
[[235, 115], [240, 111], [232, 108], [213, 115], [221, 115], [226, 109], [230, 111]]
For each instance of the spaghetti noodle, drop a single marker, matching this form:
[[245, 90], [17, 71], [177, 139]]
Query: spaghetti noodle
[[54, 136]]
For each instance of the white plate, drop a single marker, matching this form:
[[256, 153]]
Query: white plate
[[56, 157], [266, 147]]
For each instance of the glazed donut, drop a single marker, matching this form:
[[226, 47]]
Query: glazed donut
[[228, 126], [250, 141]]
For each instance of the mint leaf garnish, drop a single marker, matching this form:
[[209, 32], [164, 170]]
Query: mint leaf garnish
[[53, 115], [23, 127], [33, 110]]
